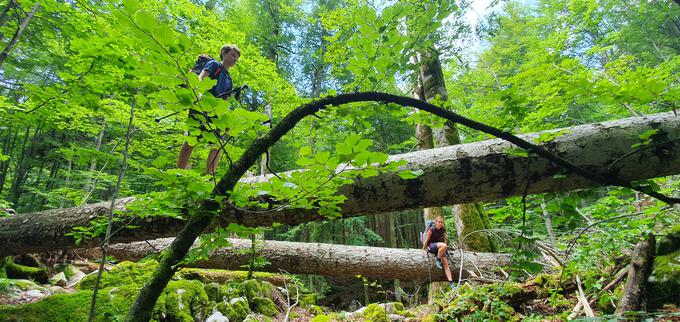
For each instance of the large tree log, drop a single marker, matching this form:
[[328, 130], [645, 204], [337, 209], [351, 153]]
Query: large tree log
[[326, 259], [452, 175]]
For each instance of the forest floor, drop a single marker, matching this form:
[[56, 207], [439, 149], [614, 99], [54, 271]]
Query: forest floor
[[208, 295]]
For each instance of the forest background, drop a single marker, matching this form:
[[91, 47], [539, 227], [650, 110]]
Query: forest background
[[72, 77]]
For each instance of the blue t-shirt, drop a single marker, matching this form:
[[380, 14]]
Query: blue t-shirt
[[224, 82]]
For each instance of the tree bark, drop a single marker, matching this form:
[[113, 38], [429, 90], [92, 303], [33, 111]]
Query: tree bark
[[641, 261], [452, 175], [324, 259]]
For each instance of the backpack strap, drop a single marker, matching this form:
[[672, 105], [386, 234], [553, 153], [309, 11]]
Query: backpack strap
[[218, 71]]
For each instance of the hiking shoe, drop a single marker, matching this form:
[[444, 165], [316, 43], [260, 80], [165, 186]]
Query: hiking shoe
[[438, 262], [453, 285]]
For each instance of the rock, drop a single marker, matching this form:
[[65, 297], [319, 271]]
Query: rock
[[395, 317], [216, 316], [34, 293], [75, 278], [394, 308], [59, 279], [256, 318], [425, 310], [57, 290]]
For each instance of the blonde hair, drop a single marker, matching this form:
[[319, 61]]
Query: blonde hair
[[228, 48]]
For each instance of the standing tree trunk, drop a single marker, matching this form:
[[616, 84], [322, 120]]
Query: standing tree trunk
[[636, 284], [20, 29], [548, 223], [426, 142], [23, 166], [3, 15], [393, 244], [7, 150], [470, 219], [89, 183]]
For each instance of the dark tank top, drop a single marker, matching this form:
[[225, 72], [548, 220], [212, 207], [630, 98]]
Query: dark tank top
[[437, 235]]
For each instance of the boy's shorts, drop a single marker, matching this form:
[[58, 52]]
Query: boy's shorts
[[202, 118]]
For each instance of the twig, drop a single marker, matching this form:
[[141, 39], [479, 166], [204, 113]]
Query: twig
[[576, 310], [297, 295], [620, 276], [582, 299]]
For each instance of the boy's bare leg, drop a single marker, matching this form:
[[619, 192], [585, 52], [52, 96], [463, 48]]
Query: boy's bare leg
[[184, 155], [213, 161], [441, 250], [447, 270]]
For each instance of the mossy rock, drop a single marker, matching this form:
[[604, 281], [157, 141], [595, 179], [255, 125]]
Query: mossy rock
[[316, 310], [122, 274], [264, 305], [375, 313], [7, 284], [68, 270], [236, 310], [251, 289], [232, 290], [214, 292], [664, 283], [669, 243], [256, 318], [183, 300]]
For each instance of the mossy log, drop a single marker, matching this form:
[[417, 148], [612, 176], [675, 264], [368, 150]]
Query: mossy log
[[327, 259], [458, 174], [10, 269]]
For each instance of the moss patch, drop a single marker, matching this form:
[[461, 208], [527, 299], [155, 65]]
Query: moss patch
[[183, 300], [236, 310], [664, 286], [375, 313], [264, 306], [122, 274], [67, 307], [321, 318]]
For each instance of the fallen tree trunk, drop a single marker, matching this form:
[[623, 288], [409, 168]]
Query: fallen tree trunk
[[480, 171], [325, 259]]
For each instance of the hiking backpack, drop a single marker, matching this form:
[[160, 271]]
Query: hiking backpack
[[201, 60], [423, 234]]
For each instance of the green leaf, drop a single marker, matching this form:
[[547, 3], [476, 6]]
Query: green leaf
[[410, 174]]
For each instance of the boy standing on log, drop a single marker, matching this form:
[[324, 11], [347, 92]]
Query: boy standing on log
[[229, 55]]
